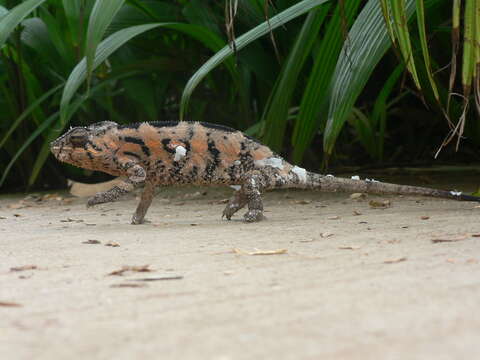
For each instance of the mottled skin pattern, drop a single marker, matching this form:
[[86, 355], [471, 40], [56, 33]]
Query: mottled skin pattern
[[165, 153]]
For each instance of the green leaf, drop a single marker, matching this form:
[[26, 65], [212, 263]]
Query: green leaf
[[242, 41], [102, 15], [400, 25], [26, 144], [104, 50], [35, 34], [3, 12], [73, 13], [15, 16], [424, 44], [117, 39], [468, 66], [60, 126], [313, 106], [28, 111], [368, 42], [276, 112]]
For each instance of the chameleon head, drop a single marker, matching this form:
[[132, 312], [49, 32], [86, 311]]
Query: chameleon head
[[84, 146]]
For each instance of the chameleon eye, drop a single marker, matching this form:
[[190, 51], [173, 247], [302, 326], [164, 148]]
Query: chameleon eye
[[78, 140], [78, 137]]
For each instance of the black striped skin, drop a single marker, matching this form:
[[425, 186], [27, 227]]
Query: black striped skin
[[165, 153]]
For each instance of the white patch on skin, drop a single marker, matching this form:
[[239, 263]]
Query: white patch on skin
[[301, 173], [355, 177], [180, 152], [235, 187], [272, 161], [456, 193]]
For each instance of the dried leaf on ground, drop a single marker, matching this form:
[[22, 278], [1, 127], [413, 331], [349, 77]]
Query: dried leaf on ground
[[91, 242], [128, 285], [425, 217], [356, 213], [24, 267], [349, 247], [335, 217], [380, 204], [452, 239], [222, 201], [358, 196], [112, 244], [325, 234], [160, 278], [10, 304], [18, 205], [53, 196], [303, 202], [395, 261], [141, 268], [260, 252]]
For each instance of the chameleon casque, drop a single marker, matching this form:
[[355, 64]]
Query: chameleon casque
[[166, 153]]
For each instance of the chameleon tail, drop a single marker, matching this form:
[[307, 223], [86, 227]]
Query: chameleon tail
[[329, 183]]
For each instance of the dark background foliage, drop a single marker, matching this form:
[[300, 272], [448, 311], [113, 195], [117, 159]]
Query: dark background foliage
[[278, 88]]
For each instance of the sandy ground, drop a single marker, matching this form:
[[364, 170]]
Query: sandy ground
[[357, 282]]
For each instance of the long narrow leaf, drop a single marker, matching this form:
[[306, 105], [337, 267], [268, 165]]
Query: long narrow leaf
[[276, 113], [242, 41], [117, 39], [456, 6], [102, 15], [314, 103], [60, 126], [26, 144], [424, 44], [400, 25], [104, 50], [369, 40], [15, 16], [73, 11], [476, 77], [468, 65], [28, 111]]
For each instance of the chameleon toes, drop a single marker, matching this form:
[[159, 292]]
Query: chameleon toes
[[253, 216]]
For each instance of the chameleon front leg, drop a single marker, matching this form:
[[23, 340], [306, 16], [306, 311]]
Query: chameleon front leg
[[238, 201], [249, 194], [136, 175], [146, 200]]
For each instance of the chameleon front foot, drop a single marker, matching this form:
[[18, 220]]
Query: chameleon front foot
[[95, 200], [253, 216], [138, 220], [237, 202]]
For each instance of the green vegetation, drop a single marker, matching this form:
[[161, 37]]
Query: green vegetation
[[316, 80]]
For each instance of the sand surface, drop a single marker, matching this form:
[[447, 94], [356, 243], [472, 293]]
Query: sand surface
[[356, 282]]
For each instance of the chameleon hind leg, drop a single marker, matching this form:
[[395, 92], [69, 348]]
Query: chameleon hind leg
[[145, 202], [250, 194]]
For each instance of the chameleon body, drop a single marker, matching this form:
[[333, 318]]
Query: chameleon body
[[166, 153]]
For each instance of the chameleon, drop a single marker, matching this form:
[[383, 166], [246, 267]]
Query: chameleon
[[173, 153]]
